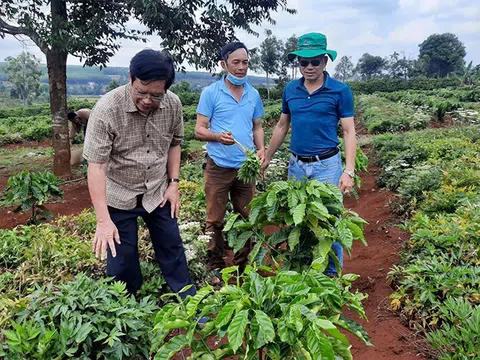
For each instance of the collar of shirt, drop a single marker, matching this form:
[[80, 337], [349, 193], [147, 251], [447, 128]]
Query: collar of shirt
[[224, 88], [131, 107], [326, 84]]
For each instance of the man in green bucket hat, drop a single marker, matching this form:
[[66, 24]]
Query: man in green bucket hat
[[313, 106]]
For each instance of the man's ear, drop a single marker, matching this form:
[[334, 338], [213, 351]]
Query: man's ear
[[223, 64]]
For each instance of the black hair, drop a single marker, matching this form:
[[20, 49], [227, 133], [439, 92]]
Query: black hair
[[231, 47], [151, 65], [71, 115]]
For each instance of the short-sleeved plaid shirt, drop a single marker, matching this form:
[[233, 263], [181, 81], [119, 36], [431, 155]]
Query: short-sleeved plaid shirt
[[134, 146]]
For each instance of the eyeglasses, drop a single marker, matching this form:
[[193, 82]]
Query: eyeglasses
[[145, 95], [305, 63]]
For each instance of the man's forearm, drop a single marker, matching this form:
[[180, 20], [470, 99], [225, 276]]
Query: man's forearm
[[259, 138], [204, 134], [350, 149], [173, 161], [97, 188]]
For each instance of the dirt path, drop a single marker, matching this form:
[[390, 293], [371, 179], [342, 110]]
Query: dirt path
[[392, 340]]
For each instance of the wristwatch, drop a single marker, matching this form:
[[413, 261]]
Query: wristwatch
[[171, 180], [350, 173]]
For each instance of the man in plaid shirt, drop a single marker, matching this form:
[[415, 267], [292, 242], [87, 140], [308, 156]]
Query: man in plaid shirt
[[132, 147]]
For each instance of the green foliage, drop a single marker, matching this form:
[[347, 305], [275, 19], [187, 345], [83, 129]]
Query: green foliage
[[249, 172], [380, 115], [437, 279], [426, 161], [310, 217], [439, 106], [24, 74], [441, 55], [31, 191], [286, 316], [369, 66], [83, 319], [389, 85], [271, 51], [458, 341], [30, 123], [344, 69], [113, 85]]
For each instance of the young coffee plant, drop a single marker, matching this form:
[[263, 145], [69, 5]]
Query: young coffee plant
[[84, 319], [309, 217], [249, 173], [290, 315], [31, 191]]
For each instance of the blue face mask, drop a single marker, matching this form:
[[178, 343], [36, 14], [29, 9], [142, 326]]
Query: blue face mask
[[236, 80]]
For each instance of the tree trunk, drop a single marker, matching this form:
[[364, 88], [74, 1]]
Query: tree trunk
[[57, 78]]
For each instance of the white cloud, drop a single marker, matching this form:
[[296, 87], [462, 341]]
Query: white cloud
[[414, 31], [468, 27]]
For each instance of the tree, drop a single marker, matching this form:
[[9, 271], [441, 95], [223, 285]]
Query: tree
[[369, 66], [113, 85], [191, 30], [24, 73], [271, 51], [398, 67], [467, 74], [182, 87], [344, 69], [291, 45], [442, 55]]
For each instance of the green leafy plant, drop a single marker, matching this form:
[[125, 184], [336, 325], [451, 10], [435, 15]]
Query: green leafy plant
[[32, 190], [289, 315], [309, 217], [459, 339], [84, 319], [249, 172]]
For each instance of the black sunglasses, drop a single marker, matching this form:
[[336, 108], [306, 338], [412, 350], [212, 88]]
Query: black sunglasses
[[315, 62]]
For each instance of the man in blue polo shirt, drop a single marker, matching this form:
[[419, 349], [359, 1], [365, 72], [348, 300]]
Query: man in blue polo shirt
[[229, 109], [313, 105]]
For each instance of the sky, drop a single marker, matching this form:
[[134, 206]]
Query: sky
[[353, 27]]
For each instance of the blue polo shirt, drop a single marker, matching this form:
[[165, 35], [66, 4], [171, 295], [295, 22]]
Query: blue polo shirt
[[314, 117], [227, 114]]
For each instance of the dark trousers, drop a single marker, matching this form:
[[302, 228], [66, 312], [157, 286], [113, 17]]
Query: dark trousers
[[166, 243], [219, 184]]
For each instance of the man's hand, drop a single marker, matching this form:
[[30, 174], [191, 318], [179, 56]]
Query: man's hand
[[346, 183], [106, 234], [265, 163], [226, 138], [171, 195], [261, 155]]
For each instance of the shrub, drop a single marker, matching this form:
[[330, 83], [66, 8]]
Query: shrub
[[84, 319], [32, 190]]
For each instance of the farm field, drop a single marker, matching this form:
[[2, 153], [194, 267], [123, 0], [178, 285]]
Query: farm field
[[419, 276]]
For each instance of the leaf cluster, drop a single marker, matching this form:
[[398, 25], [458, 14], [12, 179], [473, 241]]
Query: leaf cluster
[[289, 315]]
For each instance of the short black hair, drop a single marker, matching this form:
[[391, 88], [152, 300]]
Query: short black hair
[[71, 115], [151, 65], [231, 47]]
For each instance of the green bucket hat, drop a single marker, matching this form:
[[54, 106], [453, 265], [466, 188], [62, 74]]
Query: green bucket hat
[[311, 45]]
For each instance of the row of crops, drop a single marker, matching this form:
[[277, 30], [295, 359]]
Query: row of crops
[[436, 174], [412, 110]]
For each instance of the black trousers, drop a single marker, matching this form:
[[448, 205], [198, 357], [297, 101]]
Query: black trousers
[[166, 243]]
